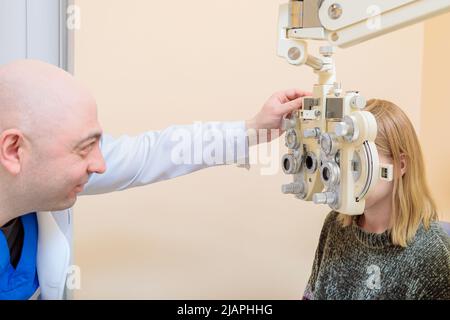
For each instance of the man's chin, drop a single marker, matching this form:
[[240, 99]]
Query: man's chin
[[66, 204], [72, 201]]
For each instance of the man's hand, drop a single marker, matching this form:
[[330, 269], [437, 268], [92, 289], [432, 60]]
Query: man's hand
[[272, 112]]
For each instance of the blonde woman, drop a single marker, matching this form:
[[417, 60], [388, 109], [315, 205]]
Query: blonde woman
[[396, 249]]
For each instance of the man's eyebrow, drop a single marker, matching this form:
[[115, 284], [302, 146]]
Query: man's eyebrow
[[94, 135]]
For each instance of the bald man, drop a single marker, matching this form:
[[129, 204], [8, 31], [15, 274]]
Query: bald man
[[52, 149]]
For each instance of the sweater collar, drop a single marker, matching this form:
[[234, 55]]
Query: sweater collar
[[373, 240]]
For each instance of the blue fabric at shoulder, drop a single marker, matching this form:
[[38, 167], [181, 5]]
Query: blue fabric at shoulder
[[22, 282]]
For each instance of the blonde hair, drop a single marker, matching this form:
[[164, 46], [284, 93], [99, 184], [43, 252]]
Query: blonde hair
[[412, 203]]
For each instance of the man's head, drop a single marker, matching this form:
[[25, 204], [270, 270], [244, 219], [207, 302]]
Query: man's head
[[49, 136]]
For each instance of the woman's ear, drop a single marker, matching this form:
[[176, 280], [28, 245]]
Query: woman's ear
[[402, 164], [10, 150]]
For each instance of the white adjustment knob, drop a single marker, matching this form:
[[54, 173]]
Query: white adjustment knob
[[293, 188], [358, 102], [347, 129], [324, 198], [342, 129], [311, 133]]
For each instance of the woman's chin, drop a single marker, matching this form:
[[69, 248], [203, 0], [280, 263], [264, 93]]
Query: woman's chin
[[368, 204]]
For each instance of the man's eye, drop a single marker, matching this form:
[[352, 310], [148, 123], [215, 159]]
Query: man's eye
[[87, 148]]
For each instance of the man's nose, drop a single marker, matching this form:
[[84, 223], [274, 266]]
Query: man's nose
[[97, 164]]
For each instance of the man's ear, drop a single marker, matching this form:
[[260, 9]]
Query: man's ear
[[11, 143], [402, 164]]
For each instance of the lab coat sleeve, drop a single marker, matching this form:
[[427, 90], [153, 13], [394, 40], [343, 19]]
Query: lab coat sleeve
[[161, 155]]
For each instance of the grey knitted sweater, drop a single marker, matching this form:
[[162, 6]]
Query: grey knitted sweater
[[351, 263]]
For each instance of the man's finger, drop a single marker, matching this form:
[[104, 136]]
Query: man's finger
[[292, 94], [290, 106]]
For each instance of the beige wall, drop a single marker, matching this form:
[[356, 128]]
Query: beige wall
[[223, 232], [436, 110]]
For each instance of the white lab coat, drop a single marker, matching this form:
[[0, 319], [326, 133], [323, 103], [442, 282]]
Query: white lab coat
[[130, 162]]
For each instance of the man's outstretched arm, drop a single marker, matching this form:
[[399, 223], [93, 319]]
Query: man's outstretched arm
[[178, 150]]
